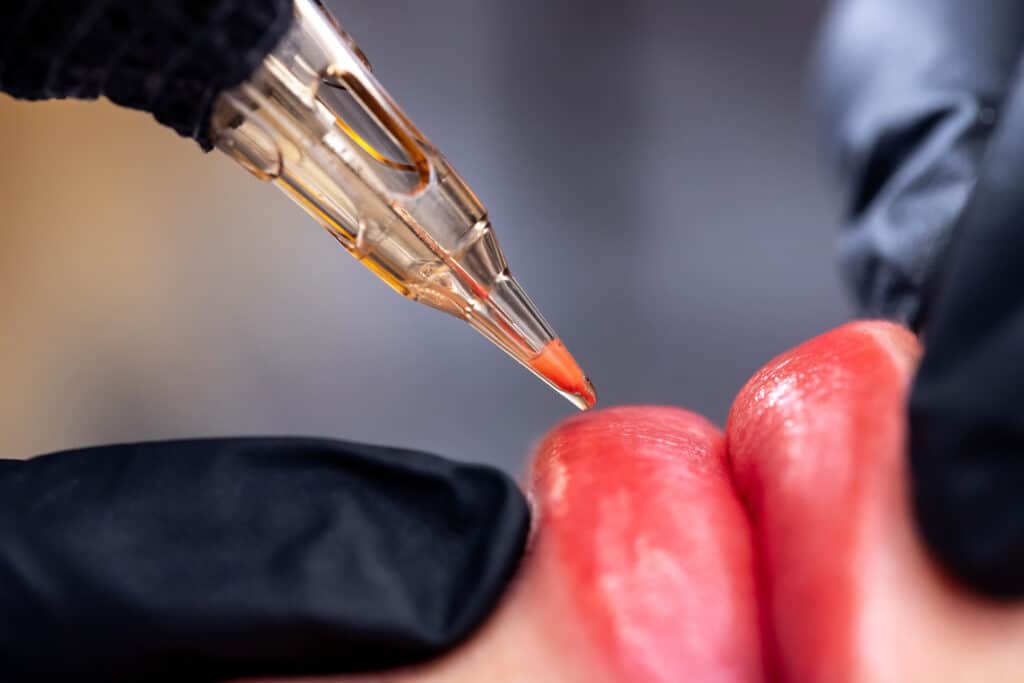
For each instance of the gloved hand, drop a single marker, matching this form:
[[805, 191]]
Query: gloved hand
[[923, 103], [211, 559]]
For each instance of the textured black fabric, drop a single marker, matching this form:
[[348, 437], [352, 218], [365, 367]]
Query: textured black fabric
[[210, 559], [910, 91], [167, 57], [967, 404]]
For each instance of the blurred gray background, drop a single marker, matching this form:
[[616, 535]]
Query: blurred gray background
[[650, 166]]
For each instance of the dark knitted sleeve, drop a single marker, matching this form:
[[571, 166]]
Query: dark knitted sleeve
[[167, 57]]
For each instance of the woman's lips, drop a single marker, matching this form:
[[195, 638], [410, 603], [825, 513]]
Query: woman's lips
[[639, 523], [641, 518]]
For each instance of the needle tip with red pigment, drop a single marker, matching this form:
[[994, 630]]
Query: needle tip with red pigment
[[558, 367]]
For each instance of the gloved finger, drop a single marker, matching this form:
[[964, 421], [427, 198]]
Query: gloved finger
[[204, 560], [817, 440], [967, 407], [170, 58], [909, 92]]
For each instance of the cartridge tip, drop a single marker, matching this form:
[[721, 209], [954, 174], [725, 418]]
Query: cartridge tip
[[589, 394], [558, 367]]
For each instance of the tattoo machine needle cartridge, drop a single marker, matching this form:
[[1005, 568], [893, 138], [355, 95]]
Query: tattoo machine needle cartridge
[[314, 120]]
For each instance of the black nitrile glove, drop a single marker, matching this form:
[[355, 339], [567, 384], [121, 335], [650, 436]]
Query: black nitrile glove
[[167, 57], [924, 104], [212, 559]]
